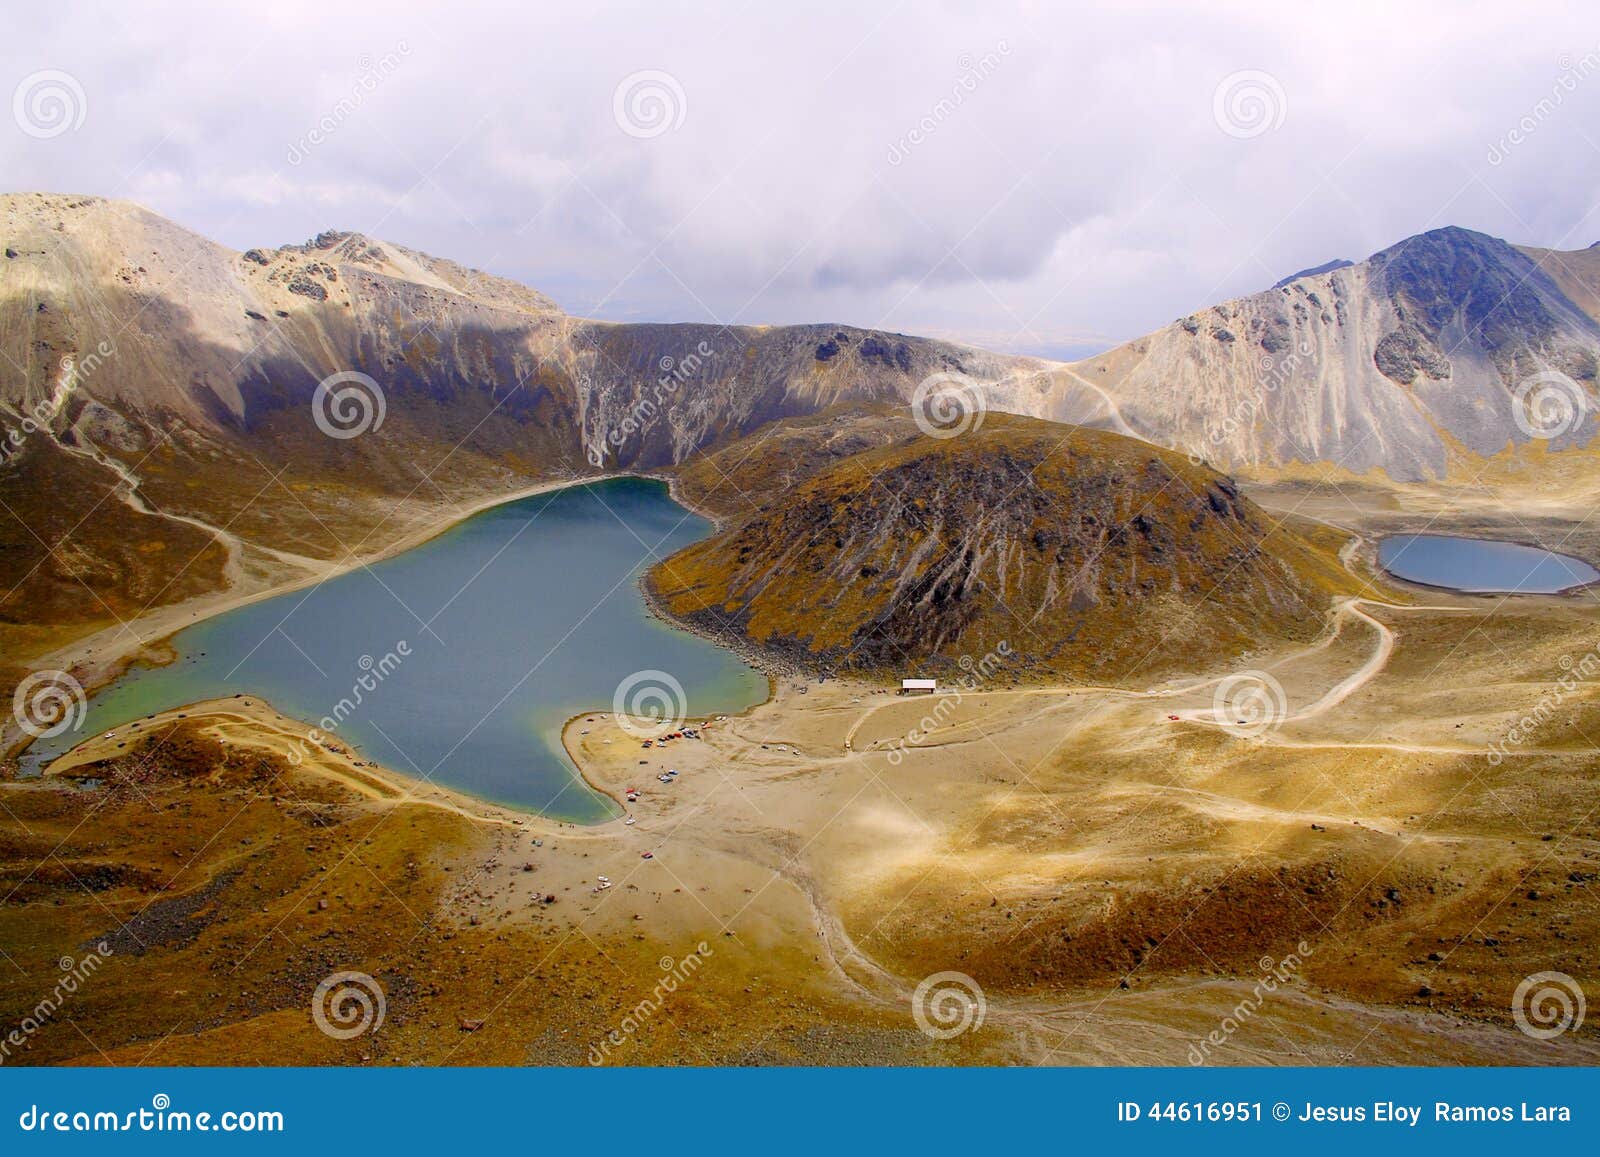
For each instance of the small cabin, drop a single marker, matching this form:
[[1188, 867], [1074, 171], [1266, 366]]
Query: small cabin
[[918, 686]]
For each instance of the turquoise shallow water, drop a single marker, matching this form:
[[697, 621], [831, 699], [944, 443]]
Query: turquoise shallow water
[[1480, 565], [512, 622]]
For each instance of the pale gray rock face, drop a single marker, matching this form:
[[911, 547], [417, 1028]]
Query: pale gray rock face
[[1379, 365]]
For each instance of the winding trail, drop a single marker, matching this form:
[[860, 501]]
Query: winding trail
[[127, 490]]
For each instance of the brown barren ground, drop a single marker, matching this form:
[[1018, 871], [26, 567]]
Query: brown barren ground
[[1120, 885]]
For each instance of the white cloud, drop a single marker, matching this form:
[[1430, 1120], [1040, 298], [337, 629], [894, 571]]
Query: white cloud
[[1048, 174]]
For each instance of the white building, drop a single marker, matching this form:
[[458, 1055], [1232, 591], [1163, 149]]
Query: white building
[[918, 686]]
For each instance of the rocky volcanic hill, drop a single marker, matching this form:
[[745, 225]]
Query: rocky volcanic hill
[[1407, 362], [136, 353], [853, 542]]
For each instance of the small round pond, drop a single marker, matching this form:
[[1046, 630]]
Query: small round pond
[[1480, 565]]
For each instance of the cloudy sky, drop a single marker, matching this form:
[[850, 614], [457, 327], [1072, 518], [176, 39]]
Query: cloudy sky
[[1038, 177]]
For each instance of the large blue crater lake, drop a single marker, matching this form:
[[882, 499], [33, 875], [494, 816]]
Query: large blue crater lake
[[1481, 565], [515, 620]]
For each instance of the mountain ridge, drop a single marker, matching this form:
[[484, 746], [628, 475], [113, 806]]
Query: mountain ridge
[[152, 373], [1400, 364]]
